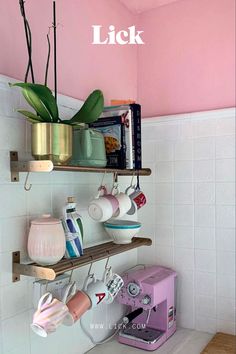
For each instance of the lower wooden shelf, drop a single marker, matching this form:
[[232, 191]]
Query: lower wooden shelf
[[91, 254]]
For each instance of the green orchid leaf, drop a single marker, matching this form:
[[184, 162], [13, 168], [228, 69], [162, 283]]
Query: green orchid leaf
[[35, 102], [30, 115], [91, 109], [44, 94]]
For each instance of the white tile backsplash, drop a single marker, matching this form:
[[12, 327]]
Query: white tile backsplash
[[204, 148], [48, 195], [225, 147], [225, 193], [194, 207]]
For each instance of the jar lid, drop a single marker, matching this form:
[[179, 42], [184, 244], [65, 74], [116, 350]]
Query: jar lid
[[46, 219]]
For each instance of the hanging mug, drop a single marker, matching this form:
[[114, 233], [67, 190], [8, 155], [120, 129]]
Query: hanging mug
[[49, 315], [113, 283], [104, 206], [124, 201], [138, 199], [95, 289]]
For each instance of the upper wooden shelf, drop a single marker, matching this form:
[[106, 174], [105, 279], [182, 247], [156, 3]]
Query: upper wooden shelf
[[48, 166], [91, 254]]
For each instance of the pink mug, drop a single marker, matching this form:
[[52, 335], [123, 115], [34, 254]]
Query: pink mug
[[77, 306], [49, 315]]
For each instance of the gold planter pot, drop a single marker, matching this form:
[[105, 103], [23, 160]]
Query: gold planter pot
[[52, 141]]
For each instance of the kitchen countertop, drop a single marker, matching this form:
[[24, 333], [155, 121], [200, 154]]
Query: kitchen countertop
[[184, 341]]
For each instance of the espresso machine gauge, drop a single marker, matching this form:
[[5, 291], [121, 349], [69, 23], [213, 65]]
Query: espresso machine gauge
[[133, 289]]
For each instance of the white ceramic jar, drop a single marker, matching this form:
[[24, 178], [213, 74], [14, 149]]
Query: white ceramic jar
[[46, 241]]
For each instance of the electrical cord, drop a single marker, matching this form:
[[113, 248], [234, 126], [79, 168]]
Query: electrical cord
[[91, 337]]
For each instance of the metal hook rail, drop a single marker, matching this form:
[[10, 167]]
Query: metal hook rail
[[91, 255]]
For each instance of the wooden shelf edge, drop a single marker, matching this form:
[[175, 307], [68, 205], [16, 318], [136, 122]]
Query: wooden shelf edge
[[91, 254], [47, 166]]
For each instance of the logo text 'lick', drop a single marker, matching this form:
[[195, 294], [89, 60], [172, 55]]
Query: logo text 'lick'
[[132, 36]]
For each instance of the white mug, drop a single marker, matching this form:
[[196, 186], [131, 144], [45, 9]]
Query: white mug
[[96, 290], [114, 283], [103, 206], [124, 201], [49, 315], [67, 292]]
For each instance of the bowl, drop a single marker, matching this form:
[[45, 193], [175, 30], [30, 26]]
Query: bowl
[[122, 231]]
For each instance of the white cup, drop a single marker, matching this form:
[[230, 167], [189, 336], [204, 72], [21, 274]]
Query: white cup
[[124, 201], [114, 283], [96, 290], [103, 207], [49, 315]]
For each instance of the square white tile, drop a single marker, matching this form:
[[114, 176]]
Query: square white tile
[[164, 256], [226, 286], [164, 235], [204, 148], [164, 193], [183, 259], [184, 236], [205, 284], [163, 215], [164, 172], [204, 170], [205, 261], [204, 216], [183, 171], [225, 125], [204, 238], [183, 150], [183, 193], [225, 239], [225, 170], [164, 151], [206, 324], [225, 147], [226, 309], [225, 193], [225, 216], [204, 193], [206, 306], [226, 263], [183, 215]]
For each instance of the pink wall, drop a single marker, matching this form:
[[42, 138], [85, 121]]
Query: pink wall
[[81, 65], [188, 61]]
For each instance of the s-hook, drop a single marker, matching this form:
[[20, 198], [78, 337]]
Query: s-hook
[[27, 187]]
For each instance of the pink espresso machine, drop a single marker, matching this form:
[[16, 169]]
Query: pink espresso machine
[[151, 294]]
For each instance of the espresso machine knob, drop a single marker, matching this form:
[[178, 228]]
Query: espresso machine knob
[[133, 289], [146, 300]]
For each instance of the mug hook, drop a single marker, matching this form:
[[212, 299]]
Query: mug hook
[[70, 275], [89, 271], [115, 177], [138, 185], [103, 178], [106, 265], [27, 188]]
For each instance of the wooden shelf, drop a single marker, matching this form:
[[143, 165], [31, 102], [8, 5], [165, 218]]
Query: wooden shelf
[[91, 254], [47, 166]]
